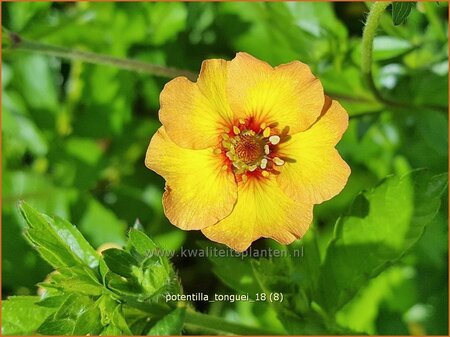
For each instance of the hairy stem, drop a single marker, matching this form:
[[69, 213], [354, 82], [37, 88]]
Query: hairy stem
[[16, 42], [373, 21]]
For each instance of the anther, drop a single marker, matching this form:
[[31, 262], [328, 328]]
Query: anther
[[266, 149], [251, 168], [278, 161], [263, 163], [265, 173], [226, 144], [274, 140], [266, 132], [241, 121], [236, 130], [263, 126], [224, 167], [244, 178], [225, 136], [217, 151]]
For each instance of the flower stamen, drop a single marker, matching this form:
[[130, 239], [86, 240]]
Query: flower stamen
[[274, 140], [278, 161], [263, 164], [251, 149]]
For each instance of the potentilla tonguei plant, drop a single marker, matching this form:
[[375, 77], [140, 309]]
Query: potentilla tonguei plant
[[247, 150]]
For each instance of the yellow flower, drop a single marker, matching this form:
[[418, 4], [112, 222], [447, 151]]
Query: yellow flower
[[247, 150]]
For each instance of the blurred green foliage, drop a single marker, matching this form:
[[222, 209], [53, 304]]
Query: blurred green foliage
[[74, 138]]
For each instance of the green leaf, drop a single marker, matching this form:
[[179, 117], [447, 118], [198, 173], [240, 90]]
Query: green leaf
[[24, 13], [139, 272], [235, 272], [166, 21], [386, 47], [57, 327], [169, 325], [39, 89], [382, 226], [361, 312], [401, 11], [58, 241], [142, 243], [19, 128], [101, 225], [76, 281], [119, 321], [119, 262], [305, 267], [22, 316], [77, 315]]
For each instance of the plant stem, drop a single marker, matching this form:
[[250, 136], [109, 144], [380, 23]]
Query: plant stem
[[17, 43], [218, 325], [373, 21]]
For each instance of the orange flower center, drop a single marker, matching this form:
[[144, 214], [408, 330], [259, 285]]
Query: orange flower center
[[251, 150]]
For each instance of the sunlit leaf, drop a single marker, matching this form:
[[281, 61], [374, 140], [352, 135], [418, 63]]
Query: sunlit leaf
[[171, 324], [377, 233], [22, 316]]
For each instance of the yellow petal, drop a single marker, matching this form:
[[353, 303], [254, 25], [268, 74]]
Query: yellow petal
[[199, 192], [262, 210], [288, 94], [318, 173], [195, 114]]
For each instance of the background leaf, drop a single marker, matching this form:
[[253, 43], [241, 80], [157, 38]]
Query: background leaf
[[375, 234]]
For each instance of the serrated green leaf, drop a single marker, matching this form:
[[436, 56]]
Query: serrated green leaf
[[384, 223], [77, 315], [123, 287], [401, 11], [53, 301], [120, 262], [73, 306], [170, 325], [77, 243], [21, 315], [119, 321], [58, 241], [111, 330], [141, 243], [88, 323], [80, 284], [57, 327]]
